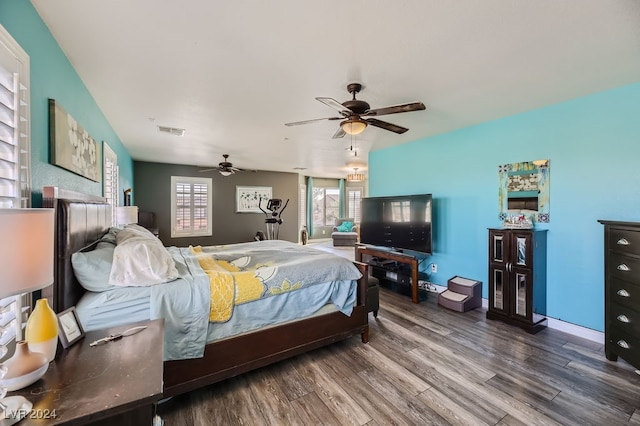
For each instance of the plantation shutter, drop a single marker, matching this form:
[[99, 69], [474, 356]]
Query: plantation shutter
[[354, 200], [191, 202], [303, 206], [110, 179], [15, 161], [15, 139]]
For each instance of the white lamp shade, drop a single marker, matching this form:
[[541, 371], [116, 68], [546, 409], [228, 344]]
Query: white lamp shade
[[353, 126], [26, 251], [126, 214]]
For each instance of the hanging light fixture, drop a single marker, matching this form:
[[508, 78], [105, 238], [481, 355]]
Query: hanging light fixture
[[355, 176], [353, 125]]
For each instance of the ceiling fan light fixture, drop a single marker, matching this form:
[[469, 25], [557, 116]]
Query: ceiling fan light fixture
[[226, 173], [353, 126]]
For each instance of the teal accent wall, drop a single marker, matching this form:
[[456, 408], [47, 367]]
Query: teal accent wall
[[593, 144], [53, 76]]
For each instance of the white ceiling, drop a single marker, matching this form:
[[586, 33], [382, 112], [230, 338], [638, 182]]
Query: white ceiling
[[233, 72]]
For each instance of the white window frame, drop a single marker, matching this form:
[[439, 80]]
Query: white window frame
[[15, 120], [110, 179], [175, 180], [335, 191]]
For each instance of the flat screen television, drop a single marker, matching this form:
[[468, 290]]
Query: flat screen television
[[400, 222]]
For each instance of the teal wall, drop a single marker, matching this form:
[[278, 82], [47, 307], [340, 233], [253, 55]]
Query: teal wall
[[53, 76], [593, 144]]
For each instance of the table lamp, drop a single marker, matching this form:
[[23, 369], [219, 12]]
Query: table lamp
[[126, 215], [26, 265]]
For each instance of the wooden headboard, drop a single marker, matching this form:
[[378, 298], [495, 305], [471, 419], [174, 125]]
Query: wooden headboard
[[80, 220]]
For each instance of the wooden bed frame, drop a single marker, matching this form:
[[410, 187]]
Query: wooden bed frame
[[81, 220]]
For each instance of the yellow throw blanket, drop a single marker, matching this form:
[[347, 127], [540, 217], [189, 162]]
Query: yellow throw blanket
[[229, 285], [244, 272]]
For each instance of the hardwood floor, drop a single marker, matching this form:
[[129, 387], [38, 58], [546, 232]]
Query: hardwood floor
[[427, 365]]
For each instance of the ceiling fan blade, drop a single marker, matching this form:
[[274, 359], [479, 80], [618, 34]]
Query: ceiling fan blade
[[387, 126], [209, 170], [414, 106], [295, 123], [339, 134], [332, 103]]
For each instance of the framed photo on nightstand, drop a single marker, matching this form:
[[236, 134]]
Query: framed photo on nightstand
[[70, 329]]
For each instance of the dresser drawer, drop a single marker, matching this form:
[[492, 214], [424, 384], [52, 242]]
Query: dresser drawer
[[624, 267], [623, 293], [624, 241], [625, 318], [626, 346]]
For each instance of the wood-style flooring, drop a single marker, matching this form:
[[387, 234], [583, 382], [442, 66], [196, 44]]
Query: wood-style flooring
[[427, 365]]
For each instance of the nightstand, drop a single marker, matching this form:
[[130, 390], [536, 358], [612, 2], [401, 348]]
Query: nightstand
[[117, 383]]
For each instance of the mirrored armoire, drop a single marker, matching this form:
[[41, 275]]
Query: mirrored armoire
[[517, 277]]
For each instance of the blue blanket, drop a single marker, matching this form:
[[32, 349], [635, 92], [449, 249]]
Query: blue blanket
[[185, 303]]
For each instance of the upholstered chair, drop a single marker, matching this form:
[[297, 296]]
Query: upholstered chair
[[344, 235]]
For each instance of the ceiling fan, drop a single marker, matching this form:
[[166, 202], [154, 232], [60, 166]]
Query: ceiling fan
[[225, 168], [356, 114]]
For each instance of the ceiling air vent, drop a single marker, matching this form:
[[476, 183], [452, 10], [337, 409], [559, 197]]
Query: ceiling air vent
[[171, 130]]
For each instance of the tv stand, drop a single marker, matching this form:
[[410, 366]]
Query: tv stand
[[391, 256]]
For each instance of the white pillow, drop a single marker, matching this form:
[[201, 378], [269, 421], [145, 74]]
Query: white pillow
[[137, 230], [140, 260]]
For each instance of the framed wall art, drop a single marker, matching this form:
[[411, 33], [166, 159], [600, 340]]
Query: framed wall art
[[72, 148], [248, 198]]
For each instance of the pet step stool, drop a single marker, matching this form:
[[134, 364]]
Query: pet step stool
[[462, 294]]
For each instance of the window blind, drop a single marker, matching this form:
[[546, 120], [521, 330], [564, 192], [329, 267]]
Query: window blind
[[15, 139], [8, 322], [354, 196], [303, 206], [15, 159], [110, 179], [191, 206]]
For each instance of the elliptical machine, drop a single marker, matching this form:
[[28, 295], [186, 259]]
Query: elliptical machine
[[273, 218]]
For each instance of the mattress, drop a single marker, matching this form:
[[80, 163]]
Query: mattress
[[114, 307], [132, 304]]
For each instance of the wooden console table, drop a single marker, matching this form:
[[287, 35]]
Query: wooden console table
[[117, 383], [407, 259]]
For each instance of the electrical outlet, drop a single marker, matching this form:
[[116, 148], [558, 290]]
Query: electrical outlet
[[434, 268]]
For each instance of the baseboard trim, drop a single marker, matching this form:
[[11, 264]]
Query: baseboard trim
[[567, 327], [576, 330]]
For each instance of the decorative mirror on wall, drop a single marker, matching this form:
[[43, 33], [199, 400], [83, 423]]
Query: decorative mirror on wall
[[523, 189]]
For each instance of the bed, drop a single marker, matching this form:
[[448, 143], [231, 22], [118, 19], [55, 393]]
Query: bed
[[82, 220]]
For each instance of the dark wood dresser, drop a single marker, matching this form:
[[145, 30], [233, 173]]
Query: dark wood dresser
[[622, 291]]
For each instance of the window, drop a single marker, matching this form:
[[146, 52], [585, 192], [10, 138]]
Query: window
[[15, 135], [110, 179], [326, 206], [354, 198], [15, 157], [190, 207], [303, 206]]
